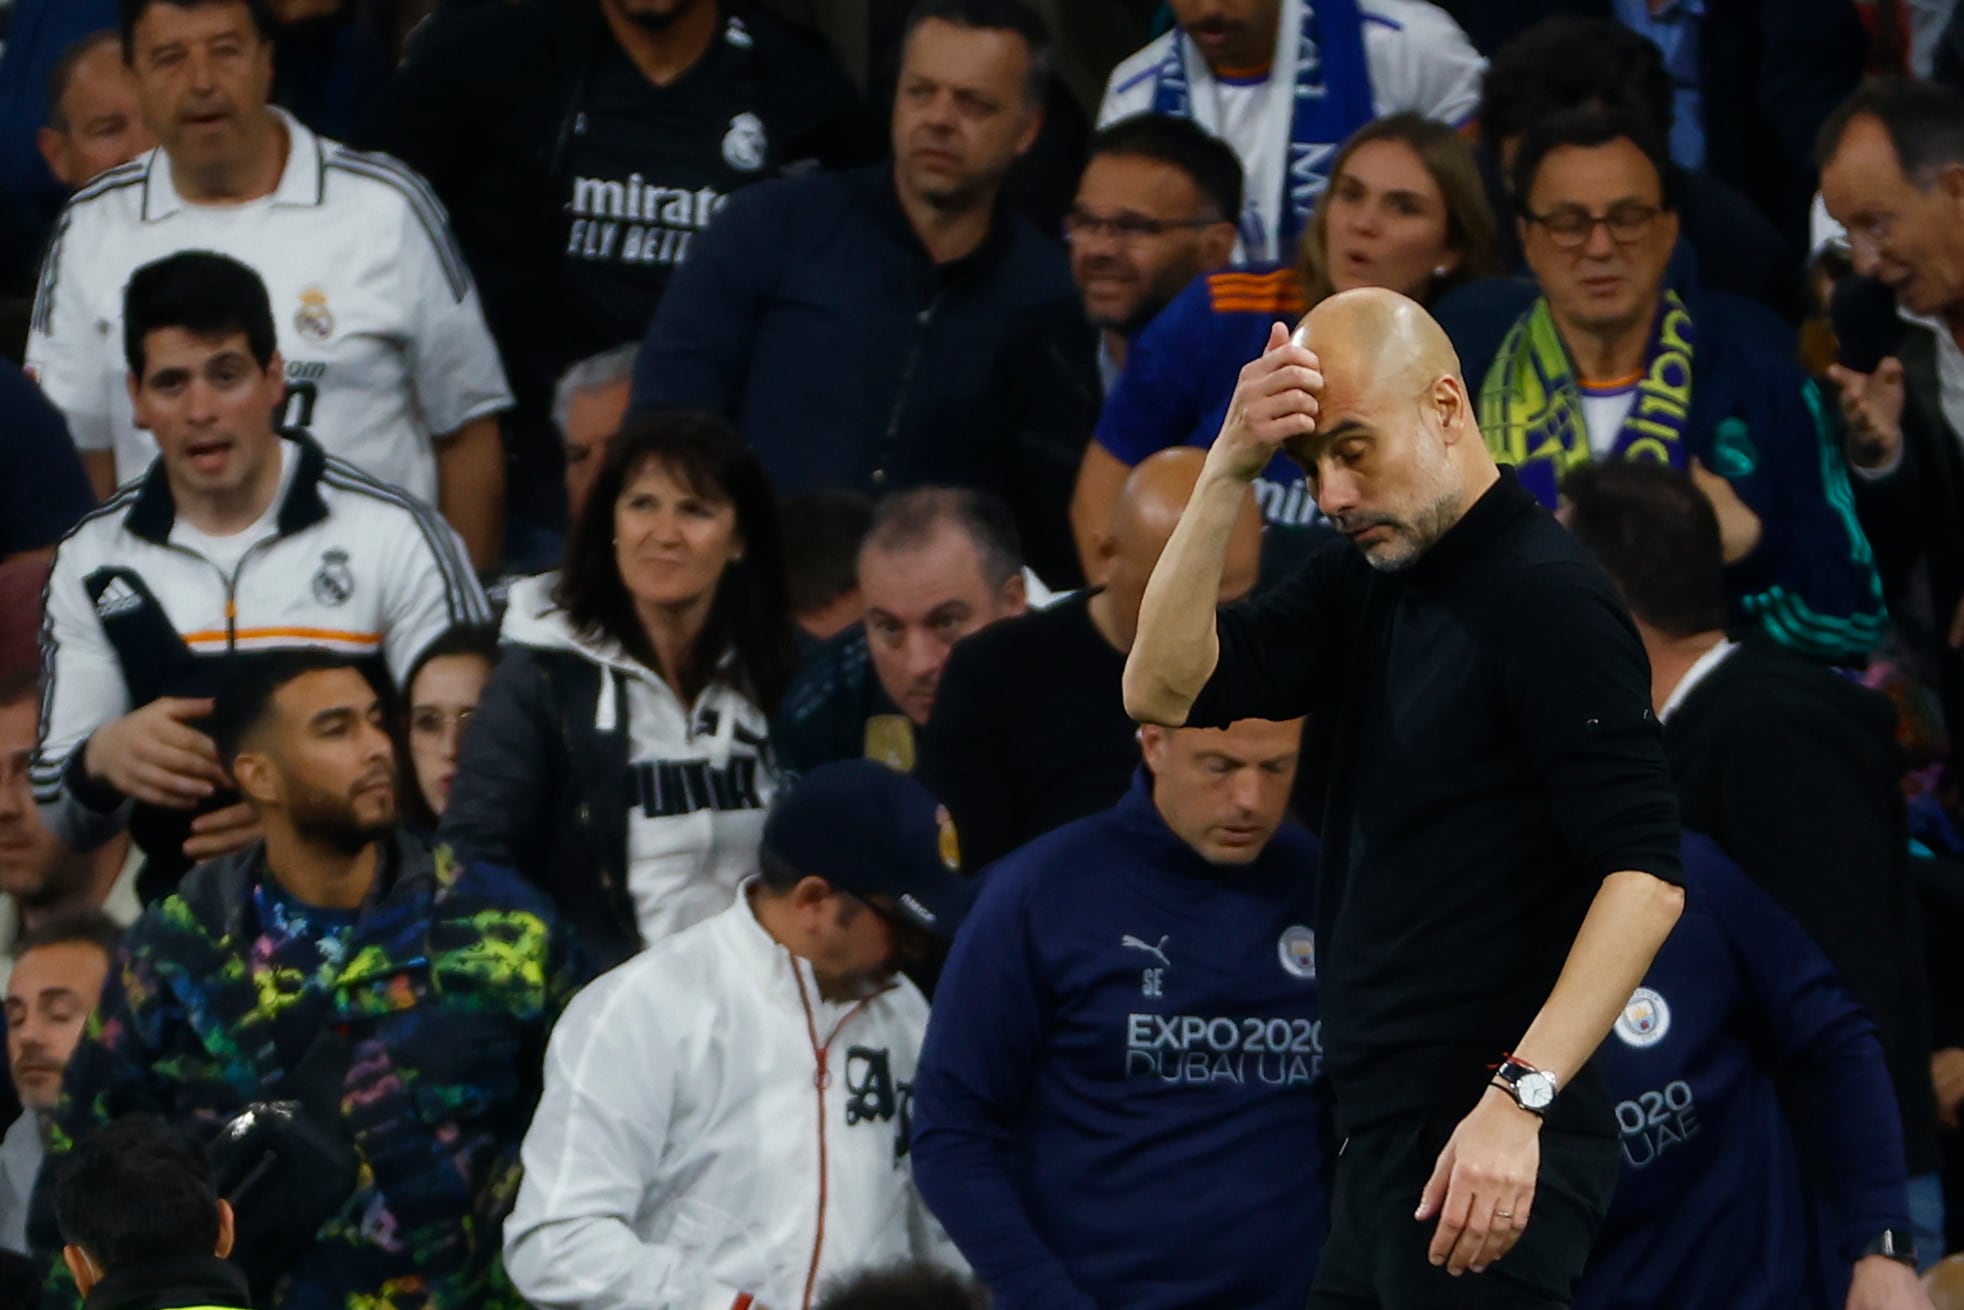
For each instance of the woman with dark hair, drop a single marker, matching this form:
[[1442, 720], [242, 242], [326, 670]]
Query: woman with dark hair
[[445, 684], [1405, 209], [619, 756]]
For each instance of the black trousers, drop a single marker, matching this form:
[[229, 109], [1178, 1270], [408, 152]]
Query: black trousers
[[1376, 1257]]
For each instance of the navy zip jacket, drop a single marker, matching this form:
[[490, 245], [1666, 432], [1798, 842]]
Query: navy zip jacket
[[812, 317], [1114, 1103], [1717, 1209]]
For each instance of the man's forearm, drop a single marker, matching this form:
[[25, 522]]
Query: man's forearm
[[470, 480], [1627, 922], [1177, 647]]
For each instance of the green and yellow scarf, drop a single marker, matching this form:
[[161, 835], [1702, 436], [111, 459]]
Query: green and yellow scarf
[[1531, 407]]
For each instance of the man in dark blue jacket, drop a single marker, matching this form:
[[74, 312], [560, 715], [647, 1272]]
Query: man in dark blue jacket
[[1717, 1208], [1791, 768], [1612, 363], [848, 324], [1114, 1103]]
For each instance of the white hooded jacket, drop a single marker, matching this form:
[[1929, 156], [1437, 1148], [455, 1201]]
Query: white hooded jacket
[[715, 1134], [702, 775]]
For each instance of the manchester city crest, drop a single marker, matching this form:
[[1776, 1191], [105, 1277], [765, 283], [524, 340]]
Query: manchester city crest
[[335, 582], [744, 145], [1297, 951], [1644, 1020], [313, 321]]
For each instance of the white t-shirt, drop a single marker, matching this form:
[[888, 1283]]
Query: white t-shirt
[[227, 551], [1417, 59], [1950, 369], [377, 318], [1603, 410]]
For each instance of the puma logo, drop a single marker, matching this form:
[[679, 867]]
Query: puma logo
[[1158, 952]]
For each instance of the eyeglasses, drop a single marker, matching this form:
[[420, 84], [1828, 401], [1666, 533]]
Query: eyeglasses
[[1571, 228], [1126, 226], [1872, 233]]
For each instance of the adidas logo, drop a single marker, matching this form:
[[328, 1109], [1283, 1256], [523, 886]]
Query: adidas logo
[[117, 598]]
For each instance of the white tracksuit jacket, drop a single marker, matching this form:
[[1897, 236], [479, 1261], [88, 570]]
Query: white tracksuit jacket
[[715, 1135]]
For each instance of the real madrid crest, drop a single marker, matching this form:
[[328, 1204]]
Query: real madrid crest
[[336, 581], [1644, 1020], [313, 321], [1297, 951], [890, 740], [744, 145]]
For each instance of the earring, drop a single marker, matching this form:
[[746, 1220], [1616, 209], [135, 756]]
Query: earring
[[1440, 271]]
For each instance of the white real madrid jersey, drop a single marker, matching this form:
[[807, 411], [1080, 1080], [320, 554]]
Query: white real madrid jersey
[[378, 319], [135, 610]]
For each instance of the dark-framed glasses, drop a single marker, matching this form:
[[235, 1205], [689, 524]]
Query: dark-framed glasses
[[1571, 226], [1125, 225]]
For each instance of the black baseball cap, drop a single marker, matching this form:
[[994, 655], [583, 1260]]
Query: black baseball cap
[[872, 831]]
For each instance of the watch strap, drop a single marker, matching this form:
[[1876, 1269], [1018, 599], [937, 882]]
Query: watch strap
[[1507, 1076], [1898, 1244]]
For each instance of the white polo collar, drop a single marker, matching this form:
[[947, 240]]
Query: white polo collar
[[300, 182]]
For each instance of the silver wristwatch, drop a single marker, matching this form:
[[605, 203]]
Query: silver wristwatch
[[1532, 1090]]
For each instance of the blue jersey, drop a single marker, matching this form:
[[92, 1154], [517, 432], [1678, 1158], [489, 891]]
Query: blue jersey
[[1181, 369], [1717, 1208], [1115, 1103]]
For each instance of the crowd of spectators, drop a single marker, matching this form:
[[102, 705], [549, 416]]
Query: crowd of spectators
[[566, 568]]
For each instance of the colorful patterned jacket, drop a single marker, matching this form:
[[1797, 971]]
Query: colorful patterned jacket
[[452, 979]]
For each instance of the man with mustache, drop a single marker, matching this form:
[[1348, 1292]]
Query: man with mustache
[[1156, 208], [398, 996], [241, 540], [1500, 838], [1285, 82]]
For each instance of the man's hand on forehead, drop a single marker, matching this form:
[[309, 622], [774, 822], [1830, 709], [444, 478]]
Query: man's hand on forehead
[[1275, 401]]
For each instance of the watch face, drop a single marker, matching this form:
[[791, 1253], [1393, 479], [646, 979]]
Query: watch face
[[1536, 1090]]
